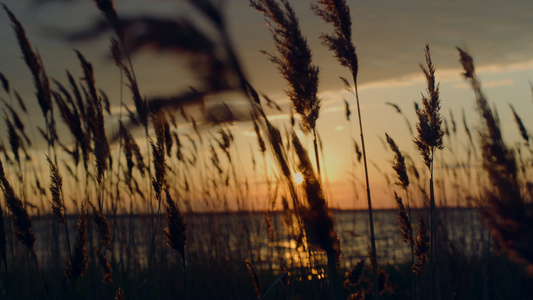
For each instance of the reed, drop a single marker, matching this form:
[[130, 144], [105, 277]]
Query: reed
[[508, 214], [294, 62], [422, 245], [430, 134], [58, 203], [78, 264], [337, 13], [21, 221], [257, 282], [104, 264], [317, 219]]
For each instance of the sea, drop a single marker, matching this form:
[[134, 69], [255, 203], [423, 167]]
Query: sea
[[243, 235]]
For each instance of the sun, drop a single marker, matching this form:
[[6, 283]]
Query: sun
[[298, 178]]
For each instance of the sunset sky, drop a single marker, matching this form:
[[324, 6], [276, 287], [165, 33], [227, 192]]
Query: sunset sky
[[389, 36]]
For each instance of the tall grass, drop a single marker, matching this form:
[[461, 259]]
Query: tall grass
[[190, 191]]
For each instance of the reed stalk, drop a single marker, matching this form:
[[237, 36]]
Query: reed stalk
[[58, 203], [430, 135], [337, 13], [21, 221]]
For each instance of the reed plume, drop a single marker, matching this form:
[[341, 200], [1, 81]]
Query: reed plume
[[120, 294], [21, 220], [158, 153], [429, 126], [106, 267], [73, 120], [19, 214], [34, 64], [294, 62], [317, 219], [14, 139], [399, 164], [176, 232], [509, 214], [102, 228], [354, 275], [20, 102], [5, 83], [520, 124], [130, 150], [78, 264], [96, 120], [255, 277], [108, 10], [56, 185], [422, 245], [17, 122], [404, 220]]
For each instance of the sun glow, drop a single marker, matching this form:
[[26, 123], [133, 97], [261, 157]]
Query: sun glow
[[298, 178]]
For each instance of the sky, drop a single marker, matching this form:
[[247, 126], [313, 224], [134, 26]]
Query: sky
[[389, 37]]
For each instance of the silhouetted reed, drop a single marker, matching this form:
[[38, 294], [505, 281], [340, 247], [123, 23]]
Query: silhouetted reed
[[337, 13], [120, 294], [316, 217], [509, 214], [78, 264], [102, 228], [294, 62], [21, 220], [520, 124], [422, 245], [430, 134], [58, 203], [257, 282], [5, 83], [104, 264], [96, 121]]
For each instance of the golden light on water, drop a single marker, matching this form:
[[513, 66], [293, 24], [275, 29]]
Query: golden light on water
[[298, 178]]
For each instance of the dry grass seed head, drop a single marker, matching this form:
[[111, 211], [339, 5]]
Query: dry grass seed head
[[21, 219], [95, 119], [406, 227], [354, 275], [102, 228], [318, 221], [510, 215], [421, 245], [5, 82], [77, 266], [106, 267], [34, 64], [20, 102], [429, 124], [295, 60], [520, 124], [255, 277], [399, 163], [14, 139], [176, 232], [56, 184], [337, 13], [120, 294]]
